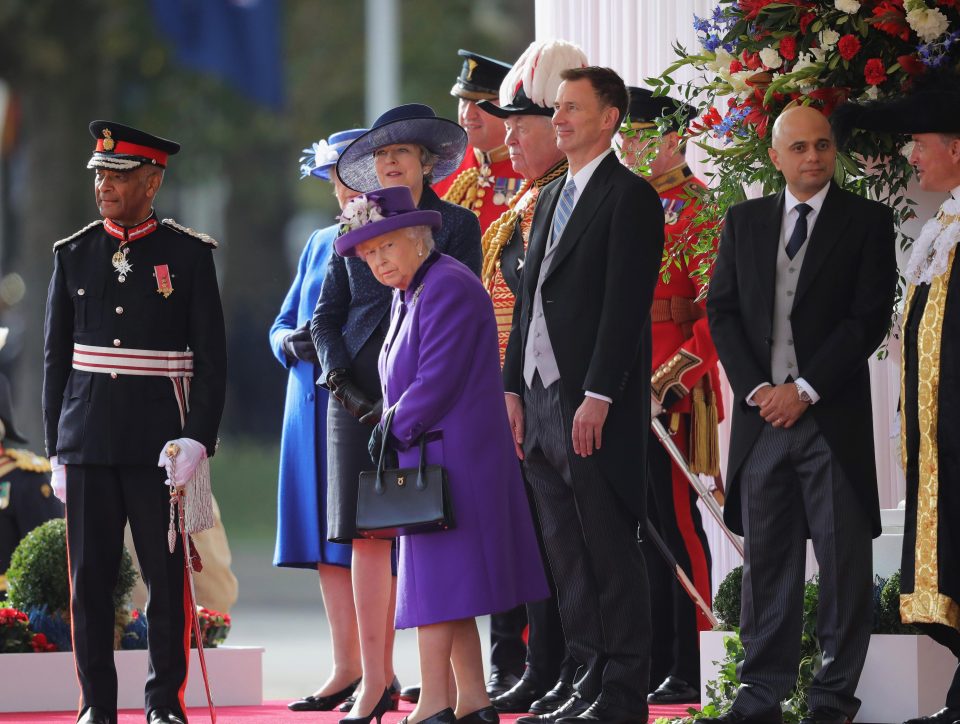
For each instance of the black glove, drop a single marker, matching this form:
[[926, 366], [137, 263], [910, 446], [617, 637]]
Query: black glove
[[348, 393], [298, 345], [373, 417], [374, 446]]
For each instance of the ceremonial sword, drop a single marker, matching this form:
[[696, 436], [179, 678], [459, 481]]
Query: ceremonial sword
[[682, 577]]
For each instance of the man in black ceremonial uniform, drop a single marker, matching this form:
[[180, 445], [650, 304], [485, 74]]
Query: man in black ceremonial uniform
[[134, 360]]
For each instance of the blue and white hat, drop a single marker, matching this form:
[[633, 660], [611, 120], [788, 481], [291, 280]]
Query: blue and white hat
[[323, 156]]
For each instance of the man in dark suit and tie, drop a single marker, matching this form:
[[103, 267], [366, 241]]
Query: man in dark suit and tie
[[800, 298], [577, 374]]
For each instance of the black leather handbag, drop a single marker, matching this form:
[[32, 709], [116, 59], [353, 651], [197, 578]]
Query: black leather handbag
[[403, 501]]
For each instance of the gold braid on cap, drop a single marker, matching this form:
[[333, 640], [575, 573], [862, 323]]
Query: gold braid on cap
[[463, 191], [499, 232]]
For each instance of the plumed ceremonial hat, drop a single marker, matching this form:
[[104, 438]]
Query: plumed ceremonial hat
[[645, 108], [409, 123], [379, 212], [530, 88], [323, 155], [6, 402], [480, 76], [122, 148]]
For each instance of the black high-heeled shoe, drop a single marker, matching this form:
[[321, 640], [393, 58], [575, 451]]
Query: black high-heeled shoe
[[486, 715], [324, 703], [444, 716], [382, 707], [348, 703]]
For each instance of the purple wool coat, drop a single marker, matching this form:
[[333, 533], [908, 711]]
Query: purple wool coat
[[440, 370]]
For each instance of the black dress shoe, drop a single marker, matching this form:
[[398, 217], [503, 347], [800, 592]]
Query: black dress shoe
[[947, 715], [324, 703], [410, 693], [444, 716], [518, 699], [674, 690], [570, 708], [735, 717], [825, 716], [486, 715], [164, 715], [96, 715], [553, 699], [500, 682], [604, 713]]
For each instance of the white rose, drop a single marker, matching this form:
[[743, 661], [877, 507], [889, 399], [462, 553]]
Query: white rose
[[738, 81], [850, 7], [928, 23], [828, 39], [771, 58], [721, 61]]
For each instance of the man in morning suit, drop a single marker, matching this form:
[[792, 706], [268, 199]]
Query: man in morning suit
[[800, 298], [134, 368], [577, 377]]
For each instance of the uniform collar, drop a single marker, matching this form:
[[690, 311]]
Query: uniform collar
[[500, 153], [555, 172], [126, 234], [432, 258], [669, 179]]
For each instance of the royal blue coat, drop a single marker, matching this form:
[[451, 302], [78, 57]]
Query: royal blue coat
[[302, 490]]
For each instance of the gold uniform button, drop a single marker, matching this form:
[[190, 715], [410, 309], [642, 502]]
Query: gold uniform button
[[113, 375], [481, 193], [119, 310], [116, 343], [81, 292]]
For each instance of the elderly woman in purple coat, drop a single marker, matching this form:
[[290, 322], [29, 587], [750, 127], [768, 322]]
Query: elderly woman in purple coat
[[440, 373]]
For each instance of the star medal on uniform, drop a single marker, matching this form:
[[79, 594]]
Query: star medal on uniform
[[121, 264], [164, 280], [520, 264]]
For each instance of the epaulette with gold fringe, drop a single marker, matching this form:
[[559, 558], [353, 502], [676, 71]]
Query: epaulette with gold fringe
[[26, 460], [206, 239], [81, 232]]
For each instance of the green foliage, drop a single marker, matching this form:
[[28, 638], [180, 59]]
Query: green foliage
[[889, 604], [726, 604], [38, 574]]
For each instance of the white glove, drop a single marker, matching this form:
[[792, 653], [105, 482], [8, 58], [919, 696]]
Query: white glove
[[655, 407], [181, 465], [58, 479]]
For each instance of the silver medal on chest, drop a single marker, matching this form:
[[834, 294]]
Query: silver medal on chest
[[121, 264]]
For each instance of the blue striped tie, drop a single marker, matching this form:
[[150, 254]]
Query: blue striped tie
[[561, 214]]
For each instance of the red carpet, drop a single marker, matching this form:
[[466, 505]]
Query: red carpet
[[272, 712]]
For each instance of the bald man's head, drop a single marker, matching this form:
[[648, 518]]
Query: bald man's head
[[803, 150]]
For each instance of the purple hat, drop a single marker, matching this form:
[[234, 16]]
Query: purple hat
[[322, 156], [409, 123], [380, 212]]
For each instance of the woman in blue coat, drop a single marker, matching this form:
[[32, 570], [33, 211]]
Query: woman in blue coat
[[302, 491]]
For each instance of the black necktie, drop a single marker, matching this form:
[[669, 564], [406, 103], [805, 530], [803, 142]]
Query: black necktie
[[799, 235]]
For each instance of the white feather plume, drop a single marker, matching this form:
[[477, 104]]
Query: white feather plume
[[539, 68]]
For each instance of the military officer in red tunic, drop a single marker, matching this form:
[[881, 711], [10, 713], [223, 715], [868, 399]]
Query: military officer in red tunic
[[686, 396], [134, 368], [485, 182]]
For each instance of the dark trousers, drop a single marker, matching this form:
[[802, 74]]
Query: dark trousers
[[508, 652], [594, 556], [672, 509], [792, 488], [100, 500]]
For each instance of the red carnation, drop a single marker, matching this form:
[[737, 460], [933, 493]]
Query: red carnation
[[949, 3], [891, 19], [911, 64], [751, 60], [805, 21], [848, 46], [788, 47], [874, 71], [735, 66], [752, 8]]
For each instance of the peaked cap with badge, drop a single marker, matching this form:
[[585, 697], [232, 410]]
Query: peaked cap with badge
[[645, 108], [480, 76], [134, 357]]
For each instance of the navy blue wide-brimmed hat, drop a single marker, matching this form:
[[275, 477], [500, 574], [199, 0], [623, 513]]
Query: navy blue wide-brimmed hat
[[122, 148], [377, 213], [645, 108], [409, 123], [322, 156], [480, 77]]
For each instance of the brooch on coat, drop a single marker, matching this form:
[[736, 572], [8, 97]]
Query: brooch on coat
[[416, 294]]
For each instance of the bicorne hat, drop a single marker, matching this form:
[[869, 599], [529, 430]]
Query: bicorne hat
[[645, 108], [322, 156], [530, 88], [379, 212], [409, 123], [121, 148], [480, 76]]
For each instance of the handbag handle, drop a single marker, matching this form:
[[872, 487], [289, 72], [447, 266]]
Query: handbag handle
[[422, 468]]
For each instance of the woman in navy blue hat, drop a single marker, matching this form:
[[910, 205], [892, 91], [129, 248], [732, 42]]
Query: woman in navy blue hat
[[302, 490], [407, 146]]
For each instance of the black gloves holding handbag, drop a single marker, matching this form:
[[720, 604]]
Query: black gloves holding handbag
[[375, 445], [298, 345], [353, 399]]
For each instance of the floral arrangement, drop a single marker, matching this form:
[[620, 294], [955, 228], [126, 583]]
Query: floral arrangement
[[135, 631], [214, 627], [759, 56], [359, 211], [319, 154], [16, 636]]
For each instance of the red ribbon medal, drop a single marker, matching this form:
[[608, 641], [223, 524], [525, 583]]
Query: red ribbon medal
[[164, 282]]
